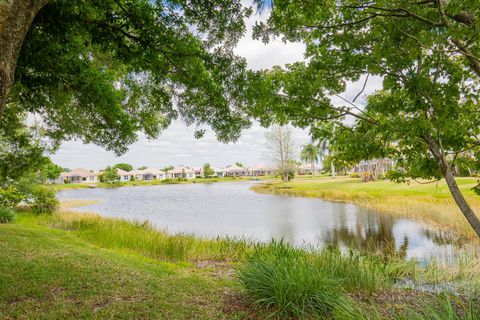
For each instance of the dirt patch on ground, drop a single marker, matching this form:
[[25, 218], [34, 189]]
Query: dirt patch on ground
[[395, 301], [216, 269], [235, 302]]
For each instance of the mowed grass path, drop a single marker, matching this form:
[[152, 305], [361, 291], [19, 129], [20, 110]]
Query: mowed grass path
[[430, 203], [48, 273]]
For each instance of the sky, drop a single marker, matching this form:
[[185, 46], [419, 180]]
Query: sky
[[177, 145]]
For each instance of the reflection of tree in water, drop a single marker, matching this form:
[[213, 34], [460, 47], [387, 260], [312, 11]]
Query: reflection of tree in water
[[373, 233], [442, 238]]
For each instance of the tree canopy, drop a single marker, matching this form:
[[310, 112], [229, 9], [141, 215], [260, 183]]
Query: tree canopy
[[427, 54], [103, 71], [124, 166]]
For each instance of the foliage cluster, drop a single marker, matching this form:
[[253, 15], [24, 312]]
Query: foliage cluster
[[208, 171], [10, 196], [7, 215], [44, 200]]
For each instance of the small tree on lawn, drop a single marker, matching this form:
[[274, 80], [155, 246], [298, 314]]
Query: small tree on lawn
[[208, 170], [110, 175]]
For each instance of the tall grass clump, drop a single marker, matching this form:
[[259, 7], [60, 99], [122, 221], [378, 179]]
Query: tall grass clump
[[7, 215], [287, 283], [143, 238], [297, 283]]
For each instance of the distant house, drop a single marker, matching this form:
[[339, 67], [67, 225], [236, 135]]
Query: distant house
[[80, 175], [236, 171], [181, 172], [124, 175], [374, 168], [261, 170], [198, 172], [148, 174], [219, 172], [306, 168]]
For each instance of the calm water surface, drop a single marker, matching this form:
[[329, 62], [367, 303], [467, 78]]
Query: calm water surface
[[231, 209]]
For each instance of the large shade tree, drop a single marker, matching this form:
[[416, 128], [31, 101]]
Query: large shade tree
[[105, 70], [426, 52]]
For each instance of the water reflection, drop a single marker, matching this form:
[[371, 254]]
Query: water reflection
[[370, 233], [231, 209]]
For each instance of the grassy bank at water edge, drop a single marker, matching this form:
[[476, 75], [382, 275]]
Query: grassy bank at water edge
[[430, 203], [70, 265], [139, 183]]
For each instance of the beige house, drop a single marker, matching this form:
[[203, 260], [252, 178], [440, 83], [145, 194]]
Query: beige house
[[261, 170], [148, 174], [80, 175], [218, 172], [124, 175], [181, 172], [236, 171]]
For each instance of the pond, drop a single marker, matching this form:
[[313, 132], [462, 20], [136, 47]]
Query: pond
[[233, 210]]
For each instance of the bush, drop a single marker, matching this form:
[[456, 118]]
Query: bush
[[476, 189], [10, 197], [7, 215], [44, 200], [354, 175]]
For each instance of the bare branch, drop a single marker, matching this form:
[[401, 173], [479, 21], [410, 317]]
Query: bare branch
[[363, 88]]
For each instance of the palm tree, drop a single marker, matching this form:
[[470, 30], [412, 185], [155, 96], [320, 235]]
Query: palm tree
[[309, 153]]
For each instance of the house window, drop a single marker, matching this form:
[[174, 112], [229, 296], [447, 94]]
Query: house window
[[84, 178]]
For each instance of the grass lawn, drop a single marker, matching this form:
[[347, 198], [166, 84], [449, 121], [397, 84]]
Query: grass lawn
[[431, 203], [50, 273], [60, 187]]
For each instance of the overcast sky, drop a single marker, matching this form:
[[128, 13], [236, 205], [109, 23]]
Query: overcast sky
[[177, 144]]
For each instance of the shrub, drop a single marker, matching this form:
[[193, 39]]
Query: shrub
[[7, 215], [354, 175], [10, 197], [44, 200]]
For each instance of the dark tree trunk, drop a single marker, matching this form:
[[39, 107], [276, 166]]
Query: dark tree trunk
[[457, 195], [16, 17]]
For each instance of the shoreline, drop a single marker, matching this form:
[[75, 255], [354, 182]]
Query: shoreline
[[143, 183], [434, 210]]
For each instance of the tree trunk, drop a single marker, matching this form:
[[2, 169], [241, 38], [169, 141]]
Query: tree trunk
[[16, 17], [313, 168], [457, 195], [332, 166]]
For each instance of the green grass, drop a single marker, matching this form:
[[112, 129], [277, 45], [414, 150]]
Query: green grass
[[71, 265], [145, 239], [430, 203], [137, 183], [297, 283], [48, 273]]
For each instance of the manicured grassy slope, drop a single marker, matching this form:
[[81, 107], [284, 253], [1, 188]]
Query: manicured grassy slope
[[51, 274]]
